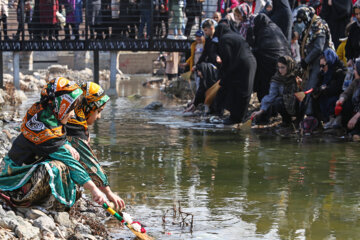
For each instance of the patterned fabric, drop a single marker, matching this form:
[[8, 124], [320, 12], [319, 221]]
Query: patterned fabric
[[244, 10], [37, 190], [319, 27], [42, 121], [60, 93], [89, 161], [62, 174], [248, 19], [94, 98]]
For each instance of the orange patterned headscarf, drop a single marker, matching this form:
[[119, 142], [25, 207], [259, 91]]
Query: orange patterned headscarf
[[42, 122]]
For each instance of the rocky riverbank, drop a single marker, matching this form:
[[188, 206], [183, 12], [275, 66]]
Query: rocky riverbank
[[84, 221], [37, 80]]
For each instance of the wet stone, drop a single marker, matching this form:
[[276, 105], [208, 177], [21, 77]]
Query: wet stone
[[154, 106]]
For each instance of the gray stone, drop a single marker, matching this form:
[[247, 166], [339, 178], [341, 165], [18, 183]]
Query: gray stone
[[10, 214], [63, 219], [8, 77], [8, 222], [2, 211], [57, 69], [26, 231], [19, 96], [154, 106], [45, 223], [36, 75], [82, 229], [34, 214]]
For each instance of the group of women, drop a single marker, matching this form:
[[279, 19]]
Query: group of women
[[52, 157], [254, 54]]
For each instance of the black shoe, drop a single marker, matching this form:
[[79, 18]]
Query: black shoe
[[229, 121]]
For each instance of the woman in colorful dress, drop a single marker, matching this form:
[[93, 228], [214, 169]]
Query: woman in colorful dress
[[94, 100], [41, 167]]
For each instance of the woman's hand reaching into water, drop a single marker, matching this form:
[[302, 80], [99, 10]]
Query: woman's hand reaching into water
[[118, 201]]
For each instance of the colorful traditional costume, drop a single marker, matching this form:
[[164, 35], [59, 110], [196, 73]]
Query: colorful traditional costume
[[78, 133], [38, 168]]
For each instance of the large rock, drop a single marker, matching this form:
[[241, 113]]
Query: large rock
[[45, 223], [63, 219]]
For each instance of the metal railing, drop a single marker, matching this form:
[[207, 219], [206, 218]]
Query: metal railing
[[36, 25]]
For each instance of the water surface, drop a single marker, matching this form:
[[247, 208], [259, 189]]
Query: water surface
[[238, 184]]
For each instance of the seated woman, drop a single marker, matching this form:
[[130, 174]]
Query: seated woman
[[41, 167], [349, 105], [208, 75], [281, 98], [86, 113], [329, 87]]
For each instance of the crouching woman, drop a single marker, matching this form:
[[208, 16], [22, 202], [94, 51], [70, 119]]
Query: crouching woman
[[348, 105], [41, 166], [86, 113], [281, 98]]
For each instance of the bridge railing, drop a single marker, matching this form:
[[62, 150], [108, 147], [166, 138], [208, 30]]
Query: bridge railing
[[35, 25]]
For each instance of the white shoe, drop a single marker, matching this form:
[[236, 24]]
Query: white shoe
[[171, 37]]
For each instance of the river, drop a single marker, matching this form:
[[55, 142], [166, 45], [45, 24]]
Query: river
[[238, 184]]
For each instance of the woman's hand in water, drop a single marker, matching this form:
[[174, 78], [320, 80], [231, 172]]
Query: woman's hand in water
[[256, 114], [73, 152], [118, 201]]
